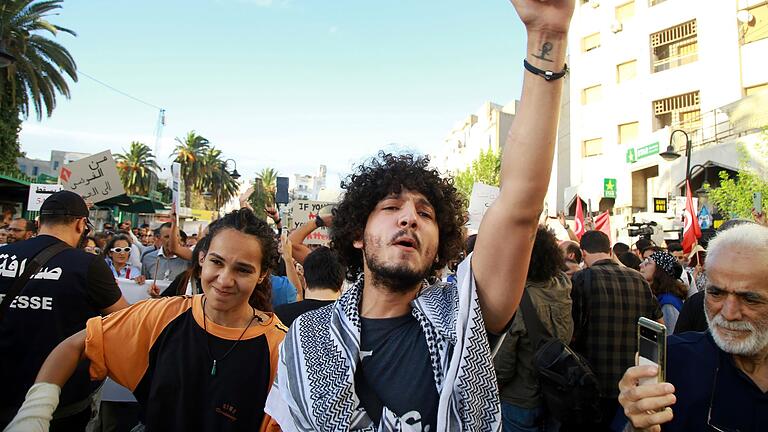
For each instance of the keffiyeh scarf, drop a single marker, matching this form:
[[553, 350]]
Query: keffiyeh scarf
[[315, 391]]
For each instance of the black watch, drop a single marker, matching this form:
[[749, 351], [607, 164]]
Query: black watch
[[319, 222]]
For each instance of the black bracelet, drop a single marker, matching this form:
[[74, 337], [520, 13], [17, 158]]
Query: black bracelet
[[319, 222], [546, 74], [277, 222]]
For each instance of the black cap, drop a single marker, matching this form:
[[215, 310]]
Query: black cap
[[64, 203]]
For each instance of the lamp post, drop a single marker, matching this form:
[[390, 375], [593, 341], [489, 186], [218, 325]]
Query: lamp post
[[234, 174]]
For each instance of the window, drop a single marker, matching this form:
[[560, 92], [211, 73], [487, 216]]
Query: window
[[35, 170], [678, 112], [592, 147], [673, 47], [55, 165], [628, 133], [23, 168], [755, 89], [626, 71], [757, 27], [591, 94], [655, 2], [625, 12], [591, 42]]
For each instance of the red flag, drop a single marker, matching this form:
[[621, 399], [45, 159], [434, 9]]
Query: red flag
[[603, 223], [691, 228], [578, 229]]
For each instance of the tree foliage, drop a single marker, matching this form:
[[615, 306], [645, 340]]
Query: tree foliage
[[189, 154], [37, 75], [264, 190], [734, 196], [136, 167], [485, 169]]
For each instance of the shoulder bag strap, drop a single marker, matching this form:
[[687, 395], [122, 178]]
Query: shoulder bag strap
[[533, 324], [34, 265]]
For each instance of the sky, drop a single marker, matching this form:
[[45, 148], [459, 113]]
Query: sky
[[287, 84]]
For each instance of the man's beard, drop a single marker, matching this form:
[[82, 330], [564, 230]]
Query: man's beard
[[753, 344], [397, 278]]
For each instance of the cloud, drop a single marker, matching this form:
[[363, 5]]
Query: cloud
[[333, 29], [260, 3]]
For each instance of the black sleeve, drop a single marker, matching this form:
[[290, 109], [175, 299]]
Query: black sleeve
[[101, 288], [692, 315], [173, 288], [578, 306]]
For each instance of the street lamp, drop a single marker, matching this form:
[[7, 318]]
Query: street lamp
[[702, 190], [234, 174], [670, 154]]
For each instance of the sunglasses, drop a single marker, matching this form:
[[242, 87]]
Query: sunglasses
[[120, 249]]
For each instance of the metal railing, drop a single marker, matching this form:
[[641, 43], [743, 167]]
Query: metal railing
[[745, 116], [674, 61]]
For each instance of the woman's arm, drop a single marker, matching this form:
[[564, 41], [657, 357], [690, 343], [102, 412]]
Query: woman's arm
[[42, 399]]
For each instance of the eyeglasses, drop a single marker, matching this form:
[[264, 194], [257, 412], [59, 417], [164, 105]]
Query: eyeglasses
[[711, 402], [120, 249]]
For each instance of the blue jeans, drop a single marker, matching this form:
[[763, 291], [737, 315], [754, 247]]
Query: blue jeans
[[518, 419]]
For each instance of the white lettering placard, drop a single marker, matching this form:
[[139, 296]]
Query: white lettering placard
[[95, 178], [38, 193], [482, 197], [133, 292]]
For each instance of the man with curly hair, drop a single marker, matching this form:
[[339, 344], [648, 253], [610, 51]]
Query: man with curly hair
[[393, 353]]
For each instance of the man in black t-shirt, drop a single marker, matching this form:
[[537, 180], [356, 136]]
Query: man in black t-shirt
[[324, 275], [55, 303]]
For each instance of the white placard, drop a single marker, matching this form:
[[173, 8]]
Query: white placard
[[94, 178], [38, 193], [680, 208], [176, 184], [133, 292], [482, 197], [302, 212]]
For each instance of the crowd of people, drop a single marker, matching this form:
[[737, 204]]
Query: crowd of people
[[404, 323]]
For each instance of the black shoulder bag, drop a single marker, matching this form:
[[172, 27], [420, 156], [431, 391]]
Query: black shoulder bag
[[569, 388], [34, 265]]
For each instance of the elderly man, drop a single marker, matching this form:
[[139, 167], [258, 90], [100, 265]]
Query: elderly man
[[21, 229], [717, 380]]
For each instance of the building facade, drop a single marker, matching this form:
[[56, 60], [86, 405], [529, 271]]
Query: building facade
[[643, 70], [309, 187], [59, 158]]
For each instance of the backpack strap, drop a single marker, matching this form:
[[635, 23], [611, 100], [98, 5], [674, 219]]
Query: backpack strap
[[35, 263], [533, 324]]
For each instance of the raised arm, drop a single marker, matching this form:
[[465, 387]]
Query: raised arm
[[505, 237], [300, 250]]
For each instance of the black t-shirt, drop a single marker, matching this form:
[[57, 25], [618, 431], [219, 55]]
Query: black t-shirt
[[290, 311], [72, 287], [396, 367]]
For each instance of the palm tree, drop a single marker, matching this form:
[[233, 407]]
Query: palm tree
[[216, 179], [269, 180], [135, 168], [189, 153], [37, 74]]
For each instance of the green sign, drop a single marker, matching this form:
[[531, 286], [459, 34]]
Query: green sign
[[634, 154], [631, 155], [649, 150], [609, 188]]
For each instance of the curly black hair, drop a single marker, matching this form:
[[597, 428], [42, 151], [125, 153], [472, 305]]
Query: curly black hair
[[386, 174], [246, 222], [546, 258]]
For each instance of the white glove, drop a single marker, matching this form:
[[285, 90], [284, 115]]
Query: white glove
[[37, 410]]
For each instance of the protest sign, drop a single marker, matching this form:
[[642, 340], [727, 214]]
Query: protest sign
[[303, 211], [38, 193], [482, 197], [176, 184], [94, 178]]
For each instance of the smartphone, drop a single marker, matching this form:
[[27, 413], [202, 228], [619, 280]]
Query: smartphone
[[757, 201], [652, 347]]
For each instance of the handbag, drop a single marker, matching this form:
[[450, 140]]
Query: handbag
[[569, 387]]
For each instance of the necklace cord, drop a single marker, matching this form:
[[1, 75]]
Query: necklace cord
[[207, 338]]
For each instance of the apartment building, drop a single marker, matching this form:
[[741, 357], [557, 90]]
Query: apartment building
[[642, 70]]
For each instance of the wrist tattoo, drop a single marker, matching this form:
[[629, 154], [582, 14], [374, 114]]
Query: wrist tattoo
[[544, 51]]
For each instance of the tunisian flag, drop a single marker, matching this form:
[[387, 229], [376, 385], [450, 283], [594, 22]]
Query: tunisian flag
[[578, 229], [691, 228], [603, 223]]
